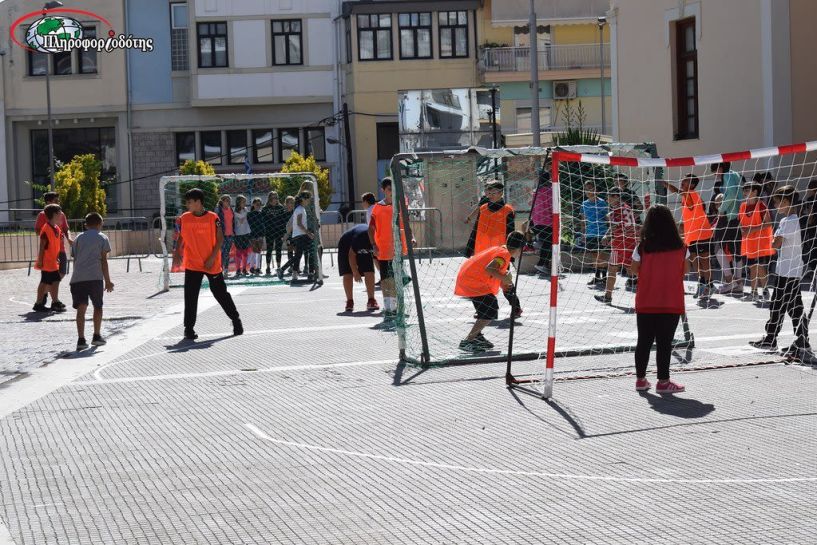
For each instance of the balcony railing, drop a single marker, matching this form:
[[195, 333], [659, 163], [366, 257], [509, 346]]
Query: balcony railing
[[551, 57]]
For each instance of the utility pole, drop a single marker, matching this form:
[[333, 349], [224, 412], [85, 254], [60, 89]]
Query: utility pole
[[534, 77], [350, 169], [493, 117]]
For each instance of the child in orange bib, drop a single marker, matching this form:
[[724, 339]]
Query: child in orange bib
[[756, 244], [48, 260], [479, 279], [698, 233]]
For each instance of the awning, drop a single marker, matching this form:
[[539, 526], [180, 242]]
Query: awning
[[553, 12]]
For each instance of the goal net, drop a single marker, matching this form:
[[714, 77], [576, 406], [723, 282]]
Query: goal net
[[264, 228], [573, 308]]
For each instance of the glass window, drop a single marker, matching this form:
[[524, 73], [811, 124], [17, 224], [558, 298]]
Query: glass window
[[453, 34], [62, 63], [178, 37], [212, 45], [87, 59], [374, 37], [37, 63], [316, 143], [185, 147], [415, 35], [237, 144], [287, 42], [211, 147], [262, 146], [289, 140], [686, 76]]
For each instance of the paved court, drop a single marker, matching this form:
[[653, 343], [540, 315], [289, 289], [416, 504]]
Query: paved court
[[307, 430]]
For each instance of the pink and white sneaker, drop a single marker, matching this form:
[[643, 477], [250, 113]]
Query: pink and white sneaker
[[669, 387], [642, 385]]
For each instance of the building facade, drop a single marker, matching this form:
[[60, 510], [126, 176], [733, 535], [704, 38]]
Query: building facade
[[573, 60], [711, 76]]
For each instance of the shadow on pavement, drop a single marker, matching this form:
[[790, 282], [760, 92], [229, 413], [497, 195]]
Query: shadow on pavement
[[186, 345], [679, 407]]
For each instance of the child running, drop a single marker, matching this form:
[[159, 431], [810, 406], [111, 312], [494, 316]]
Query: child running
[[495, 221], [199, 245], [756, 246], [355, 264], [698, 233], [90, 279], [242, 236], [256, 220], [787, 298], [479, 279], [660, 261], [622, 237], [594, 216], [275, 226], [48, 260]]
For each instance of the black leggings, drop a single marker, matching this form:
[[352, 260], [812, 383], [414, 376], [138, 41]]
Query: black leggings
[[192, 287], [302, 244], [277, 244], [787, 300], [658, 329]]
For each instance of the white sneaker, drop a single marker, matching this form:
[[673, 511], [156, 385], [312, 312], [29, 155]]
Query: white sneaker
[[540, 269], [737, 287], [727, 287]]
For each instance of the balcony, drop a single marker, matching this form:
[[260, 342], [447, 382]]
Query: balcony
[[551, 58]]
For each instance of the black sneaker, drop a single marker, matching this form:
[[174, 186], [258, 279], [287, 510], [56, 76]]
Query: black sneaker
[[280, 275], [238, 327], [39, 307], [82, 344], [474, 346], [98, 341], [59, 304], [57, 308], [764, 344], [269, 272], [606, 299], [190, 335], [482, 341]]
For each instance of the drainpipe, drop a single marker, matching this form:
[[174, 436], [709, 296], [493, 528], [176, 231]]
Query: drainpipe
[[129, 113]]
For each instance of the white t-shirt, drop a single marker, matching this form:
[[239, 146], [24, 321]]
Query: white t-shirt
[[790, 255], [299, 212], [369, 215], [242, 226]]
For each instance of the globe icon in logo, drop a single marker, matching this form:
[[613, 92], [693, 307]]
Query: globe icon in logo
[[49, 34]]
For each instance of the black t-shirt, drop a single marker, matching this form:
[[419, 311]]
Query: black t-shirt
[[356, 239]]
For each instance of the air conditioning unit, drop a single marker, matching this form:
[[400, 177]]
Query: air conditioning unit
[[564, 90]]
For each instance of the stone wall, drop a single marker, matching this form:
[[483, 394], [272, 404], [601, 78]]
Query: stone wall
[[153, 152]]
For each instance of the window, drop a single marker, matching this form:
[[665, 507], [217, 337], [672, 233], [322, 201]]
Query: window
[[178, 37], [686, 76], [62, 63], [287, 42], [37, 63], [388, 141], [212, 45], [374, 37], [185, 147], [316, 143], [262, 146], [289, 140], [415, 35], [211, 147], [453, 34], [523, 119], [237, 145], [87, 59]]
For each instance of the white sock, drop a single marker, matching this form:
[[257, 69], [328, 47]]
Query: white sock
[[390, 303]]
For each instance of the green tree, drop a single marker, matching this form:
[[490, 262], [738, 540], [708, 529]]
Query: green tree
[[77, 183], [210, 187], [196, 168], [291, 185]]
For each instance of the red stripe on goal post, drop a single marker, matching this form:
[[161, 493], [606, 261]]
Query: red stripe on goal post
[[681, 162], [737, 156], [793, 148]]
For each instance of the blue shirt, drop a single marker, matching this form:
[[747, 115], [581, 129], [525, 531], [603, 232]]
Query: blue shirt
[[595, 218], [732, 196]]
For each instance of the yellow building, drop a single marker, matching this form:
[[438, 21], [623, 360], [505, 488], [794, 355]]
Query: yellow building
[[572, 45]]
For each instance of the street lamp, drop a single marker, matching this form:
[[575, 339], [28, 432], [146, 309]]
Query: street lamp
[[601, 22], [46, 7]]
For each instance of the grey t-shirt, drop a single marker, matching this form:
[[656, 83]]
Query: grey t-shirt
[[87, 252]]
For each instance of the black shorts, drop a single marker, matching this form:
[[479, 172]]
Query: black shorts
[[365, 263], [50, 277], [731, 237], [762, 261], [592, 244], [91, 289], [701, 247], [63, 258], [487, 307], [386, 269]]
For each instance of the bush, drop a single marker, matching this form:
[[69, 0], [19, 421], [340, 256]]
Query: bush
[[291, 185], [175, 206], [196, 168], [77, 183]]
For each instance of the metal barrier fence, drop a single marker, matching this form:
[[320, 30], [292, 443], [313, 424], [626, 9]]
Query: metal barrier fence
[[130, 238]]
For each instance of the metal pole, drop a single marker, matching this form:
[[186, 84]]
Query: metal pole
[[601, 73], [350, 170], [50, 131], [534, 77], [493, 116]]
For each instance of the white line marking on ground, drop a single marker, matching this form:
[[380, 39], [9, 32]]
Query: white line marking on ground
[[359, 325], [233, 372], [5, 536], [517, 473]]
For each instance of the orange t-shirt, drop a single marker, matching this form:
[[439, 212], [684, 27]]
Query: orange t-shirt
[[198, 235], [382, 216], [492, 227], [759, 243], [696, 224], [474, 281], [52, 236]]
